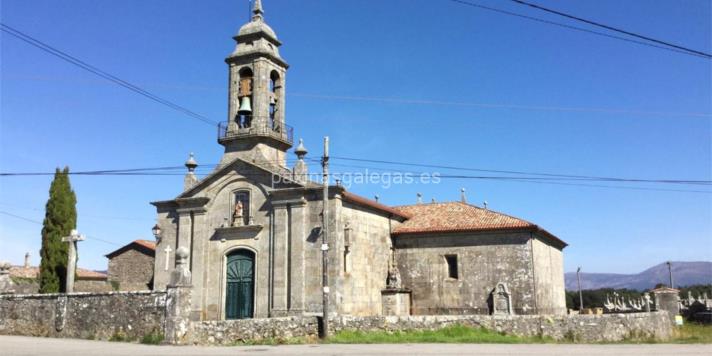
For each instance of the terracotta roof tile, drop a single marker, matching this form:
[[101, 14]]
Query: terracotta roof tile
[[461, 217], [455, 216], [147, 244], [357, 199], [33, 272]]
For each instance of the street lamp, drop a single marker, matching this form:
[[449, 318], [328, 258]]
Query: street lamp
[[669, 264], [578, 279], [156, 233]]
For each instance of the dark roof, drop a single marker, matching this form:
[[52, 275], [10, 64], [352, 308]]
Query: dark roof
[[145, 246]]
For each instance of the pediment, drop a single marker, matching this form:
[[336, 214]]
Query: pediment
[[273, 177]]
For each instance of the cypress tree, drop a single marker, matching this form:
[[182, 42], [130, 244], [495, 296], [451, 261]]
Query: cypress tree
[[60, 219]]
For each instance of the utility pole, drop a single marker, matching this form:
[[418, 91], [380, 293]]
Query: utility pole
[[578, 278], [669, 264], [72, 259], [325, 242]]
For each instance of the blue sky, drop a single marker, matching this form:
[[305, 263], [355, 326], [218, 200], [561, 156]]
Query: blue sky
[[638, 124]]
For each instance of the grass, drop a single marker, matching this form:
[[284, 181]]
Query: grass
[[692, 333], [451, 334]]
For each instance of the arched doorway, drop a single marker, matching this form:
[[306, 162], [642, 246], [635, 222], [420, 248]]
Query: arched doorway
[[239, 296]]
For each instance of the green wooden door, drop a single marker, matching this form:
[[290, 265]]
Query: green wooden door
[[240, 285]]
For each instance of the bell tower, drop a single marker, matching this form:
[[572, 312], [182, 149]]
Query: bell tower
[[256, 130]]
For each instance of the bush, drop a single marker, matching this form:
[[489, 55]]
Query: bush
[[154, 338]]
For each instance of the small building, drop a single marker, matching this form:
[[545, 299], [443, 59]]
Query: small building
[[458, 258], [131, 266], [25, 280]]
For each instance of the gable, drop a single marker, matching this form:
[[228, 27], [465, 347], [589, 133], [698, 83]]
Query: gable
[[272, 177], [143, 246]]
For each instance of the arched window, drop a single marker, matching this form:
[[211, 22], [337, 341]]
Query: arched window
[[275, 84], [241, 213], [244, 112]]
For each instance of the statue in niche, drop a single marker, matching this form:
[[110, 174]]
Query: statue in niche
[[394, 279], [237, 219], [501, 300]]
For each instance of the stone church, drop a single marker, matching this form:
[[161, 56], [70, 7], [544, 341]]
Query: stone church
[[253, 228]]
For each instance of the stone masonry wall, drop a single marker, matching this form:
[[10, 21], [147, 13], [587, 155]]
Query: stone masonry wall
[[132, 270], [578, 328], [83, 315], [363, 266], [228, 332], [483, 261]]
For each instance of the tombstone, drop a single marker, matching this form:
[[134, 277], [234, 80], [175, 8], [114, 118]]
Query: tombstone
[[501, 300], [646, 298], [7, 286]]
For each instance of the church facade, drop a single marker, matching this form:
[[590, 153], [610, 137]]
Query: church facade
[[253, 228]]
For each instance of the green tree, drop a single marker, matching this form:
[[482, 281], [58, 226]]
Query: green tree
[[60, 219]]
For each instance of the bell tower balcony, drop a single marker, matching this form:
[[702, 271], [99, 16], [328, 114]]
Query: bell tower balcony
[[233, 130]]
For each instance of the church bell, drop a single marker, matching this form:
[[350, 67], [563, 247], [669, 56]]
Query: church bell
[[245, 106]]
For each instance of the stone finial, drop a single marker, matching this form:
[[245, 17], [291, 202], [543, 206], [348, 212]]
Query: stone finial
[[191, 164], [301, 151], [300, 170], [27, 260], [181, 276], [190, 179], [258, 13], [463, 198]]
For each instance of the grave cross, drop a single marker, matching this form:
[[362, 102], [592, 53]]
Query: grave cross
[[168, 255], [72, 239]]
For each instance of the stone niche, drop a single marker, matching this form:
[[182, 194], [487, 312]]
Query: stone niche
[[501, 300], [396, 301]]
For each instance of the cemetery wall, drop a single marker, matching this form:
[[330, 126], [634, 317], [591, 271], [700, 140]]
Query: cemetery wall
[[102, 316]]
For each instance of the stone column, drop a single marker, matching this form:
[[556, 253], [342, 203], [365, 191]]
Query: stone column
[[178, 301], [298, 225], [279, 280], [71, 259], [200, 266]]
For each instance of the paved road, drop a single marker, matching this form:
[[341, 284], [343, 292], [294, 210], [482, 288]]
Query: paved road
[[17, 345]]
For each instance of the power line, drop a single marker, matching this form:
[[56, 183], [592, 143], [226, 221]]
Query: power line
[[572, 176], [580, 29], [497, 106], [612, 28], [401, 100], [39, 223], [529, 180], [92, 69]]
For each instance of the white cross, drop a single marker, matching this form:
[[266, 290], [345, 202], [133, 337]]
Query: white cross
[[168, 255]]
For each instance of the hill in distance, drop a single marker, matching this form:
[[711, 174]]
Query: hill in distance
[[683, 274]]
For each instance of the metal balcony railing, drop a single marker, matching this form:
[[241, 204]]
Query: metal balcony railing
[[249, 126]]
